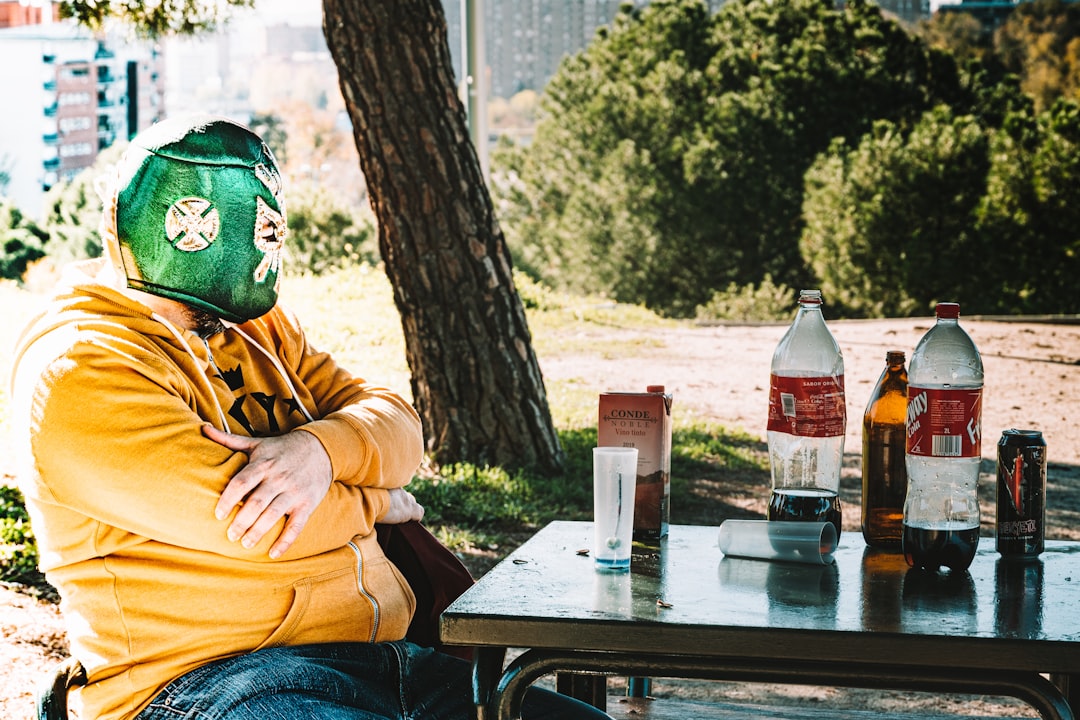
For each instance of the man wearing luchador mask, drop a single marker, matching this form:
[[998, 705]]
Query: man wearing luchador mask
[[203, 482]]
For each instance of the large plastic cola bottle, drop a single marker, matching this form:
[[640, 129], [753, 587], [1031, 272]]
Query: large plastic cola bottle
[[807, 419], [944, 446]]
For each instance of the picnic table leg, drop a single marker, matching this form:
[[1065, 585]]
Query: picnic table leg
[[1069, 685], [638, 687], [587, 688], [487, 668]]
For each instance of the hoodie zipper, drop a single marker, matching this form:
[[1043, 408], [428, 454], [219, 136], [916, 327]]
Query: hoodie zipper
[[363, 591]]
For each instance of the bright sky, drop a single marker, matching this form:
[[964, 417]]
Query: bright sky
[[293, 12]]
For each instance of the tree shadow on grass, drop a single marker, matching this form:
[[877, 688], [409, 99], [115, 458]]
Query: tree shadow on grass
[[716, 475]]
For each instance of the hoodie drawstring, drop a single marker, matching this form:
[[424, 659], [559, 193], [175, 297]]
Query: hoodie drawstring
[[278, 366], [195, 358], [269, 356]]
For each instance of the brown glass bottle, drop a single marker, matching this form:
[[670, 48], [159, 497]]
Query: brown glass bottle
[[884, 473]]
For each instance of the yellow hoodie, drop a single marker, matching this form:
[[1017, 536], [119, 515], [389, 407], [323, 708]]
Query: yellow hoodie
[[121, 484]]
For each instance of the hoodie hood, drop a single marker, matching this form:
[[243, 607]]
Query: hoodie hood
[[88, 307], [87, 294]]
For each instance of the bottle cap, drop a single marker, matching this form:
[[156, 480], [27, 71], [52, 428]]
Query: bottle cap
[[894, 357], [947, 310], [809, 297], [654, 388]]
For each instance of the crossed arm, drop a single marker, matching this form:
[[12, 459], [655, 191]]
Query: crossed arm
[[117, 442], [285, 476]]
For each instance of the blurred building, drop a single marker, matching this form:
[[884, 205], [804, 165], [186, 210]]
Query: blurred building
[[991, 14], [910, 12], [250, 64], [525, 40], [71, 94], [14, 14]]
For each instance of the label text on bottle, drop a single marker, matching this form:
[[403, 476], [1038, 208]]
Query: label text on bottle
[[807, 406], [944, 422]]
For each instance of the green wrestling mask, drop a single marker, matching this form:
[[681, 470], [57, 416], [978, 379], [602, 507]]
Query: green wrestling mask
[[200, 217]]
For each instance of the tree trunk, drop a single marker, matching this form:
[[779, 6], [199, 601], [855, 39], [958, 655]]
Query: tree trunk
[[475, 379]]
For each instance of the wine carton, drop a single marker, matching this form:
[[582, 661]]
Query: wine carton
[[643, 421]]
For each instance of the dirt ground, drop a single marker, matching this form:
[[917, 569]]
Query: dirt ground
[[721, 373]]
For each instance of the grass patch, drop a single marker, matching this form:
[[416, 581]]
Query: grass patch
[[702, 450], [484, 506], [351, 314], [18, 548], [563, 323]]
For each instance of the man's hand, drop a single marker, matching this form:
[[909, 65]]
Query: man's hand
[[403, 508], [287, 475]]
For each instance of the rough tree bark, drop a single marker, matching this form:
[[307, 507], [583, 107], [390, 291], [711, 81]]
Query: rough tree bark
[[475, 379]]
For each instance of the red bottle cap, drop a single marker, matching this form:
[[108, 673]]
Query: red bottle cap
[[947, 310]]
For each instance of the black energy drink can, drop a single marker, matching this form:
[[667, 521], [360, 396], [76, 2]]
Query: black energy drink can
[[1021, 493]]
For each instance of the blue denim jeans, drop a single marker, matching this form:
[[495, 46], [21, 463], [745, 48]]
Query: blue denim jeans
[[340, 681]]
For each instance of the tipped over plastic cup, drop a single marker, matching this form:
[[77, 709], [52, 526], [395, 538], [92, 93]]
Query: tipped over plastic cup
[[779, 540]]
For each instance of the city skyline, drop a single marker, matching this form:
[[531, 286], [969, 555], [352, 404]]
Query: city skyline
[[226, 72]]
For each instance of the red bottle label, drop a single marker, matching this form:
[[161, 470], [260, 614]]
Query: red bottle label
[[944, 422], [807, 406]]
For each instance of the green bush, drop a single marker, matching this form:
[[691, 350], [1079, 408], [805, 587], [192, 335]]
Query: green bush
[[534, 294], [907, 218], [21, 241], [18, 548], [1029, 218], [766, 302], [324, 234], [73, 217], [890, 223], [669, 158]]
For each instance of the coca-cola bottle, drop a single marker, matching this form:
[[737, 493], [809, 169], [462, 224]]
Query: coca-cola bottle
[[884, 473], [807, 419], [944, 446]]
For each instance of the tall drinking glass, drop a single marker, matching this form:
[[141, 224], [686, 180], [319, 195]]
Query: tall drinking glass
[[614, 486]]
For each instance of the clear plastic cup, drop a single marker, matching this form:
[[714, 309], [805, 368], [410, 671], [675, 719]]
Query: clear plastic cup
[[790, 541], [614, 486]]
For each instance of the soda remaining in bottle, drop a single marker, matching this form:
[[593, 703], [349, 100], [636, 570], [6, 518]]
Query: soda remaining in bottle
[[944, 443], [932, 548], [807, 419], [884, 470]]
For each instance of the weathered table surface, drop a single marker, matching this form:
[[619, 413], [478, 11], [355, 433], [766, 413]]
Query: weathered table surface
[[685, 610]]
